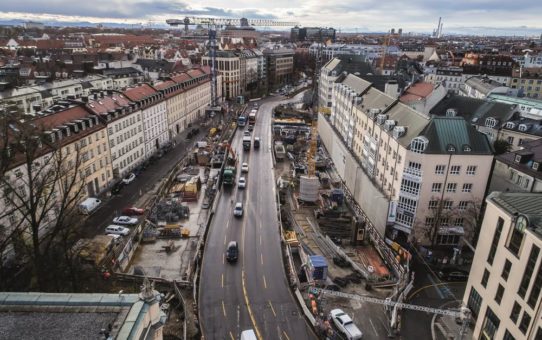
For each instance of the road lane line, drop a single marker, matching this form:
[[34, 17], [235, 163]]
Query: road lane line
[[261, 259], [286, 335], [224, 239], [231, 336], [222, 280], [227, 224], [272, 309], [264, 282], [260, 224], [374, 328], [223, 258], [260, 240], [252, 319], [223, 308]]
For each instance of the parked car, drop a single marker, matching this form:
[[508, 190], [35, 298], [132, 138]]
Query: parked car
[[117, 187], [129, 178], [117, 230], [125, 220], [244, 167], [232, 251], [133, 211], [452, 274], [345, 325], [89, 205], [242, 183], [238, 210]]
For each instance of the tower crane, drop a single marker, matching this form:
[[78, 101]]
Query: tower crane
[[463, 313], [387, 40], [213, 24]]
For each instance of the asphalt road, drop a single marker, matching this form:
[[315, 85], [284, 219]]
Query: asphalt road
[[252, 293], [144, 182]]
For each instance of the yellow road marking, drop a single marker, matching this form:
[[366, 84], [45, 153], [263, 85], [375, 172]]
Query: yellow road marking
[[286, 335], [231, 336], [264, 282], [258, 334], [223, 308], [272, 309]]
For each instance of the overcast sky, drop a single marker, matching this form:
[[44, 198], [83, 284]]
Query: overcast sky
[[476, 16]]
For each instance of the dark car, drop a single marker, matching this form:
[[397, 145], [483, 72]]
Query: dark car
[[256, 142], [117, 187], [232, 251], [451, 274]]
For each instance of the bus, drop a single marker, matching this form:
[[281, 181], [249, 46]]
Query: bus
[[252, 117], [242, 121]]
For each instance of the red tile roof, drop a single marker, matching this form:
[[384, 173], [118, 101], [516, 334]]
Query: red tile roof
[[417, 91], [140, 92], [104, 105], [60, 118]]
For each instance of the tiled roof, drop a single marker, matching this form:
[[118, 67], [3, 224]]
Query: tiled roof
[[108, 103], [140, 92], [60, 118], [417, 91]]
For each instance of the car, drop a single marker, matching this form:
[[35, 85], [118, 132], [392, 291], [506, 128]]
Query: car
[[116, 230], [130, 211], [453, 274], [345, 325], [129, 178], [117, 187], [238, 210], [256, 142], [125, 220], [242, 183], [232, 251], [250, 127], [246, 133], [244, 167]]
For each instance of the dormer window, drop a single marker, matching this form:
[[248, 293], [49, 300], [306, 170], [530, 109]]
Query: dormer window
[[536, 165], [523, 127], [451, 112], [517, 159], [419, 144], [510, 125], [491, 122], [451, 148], [467, 148]]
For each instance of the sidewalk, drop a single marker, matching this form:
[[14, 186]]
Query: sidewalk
[[447, 327]]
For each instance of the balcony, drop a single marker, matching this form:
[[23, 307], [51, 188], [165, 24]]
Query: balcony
[[412, 174]]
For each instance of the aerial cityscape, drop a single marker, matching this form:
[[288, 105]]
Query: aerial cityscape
[[284, 170]]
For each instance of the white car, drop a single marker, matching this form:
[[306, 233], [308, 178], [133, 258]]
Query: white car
[[246, 133], [242, 183], [117, 230], [129, 178], [238, 210], [244, 167], [125, 220], [345, 324]]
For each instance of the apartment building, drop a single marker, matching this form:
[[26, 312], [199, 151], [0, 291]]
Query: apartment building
[[430, 171], [153, 116], [481, 87], [229, 66], [503, 290], [280, 67], [528, 82], [449, 77], [123, 119]]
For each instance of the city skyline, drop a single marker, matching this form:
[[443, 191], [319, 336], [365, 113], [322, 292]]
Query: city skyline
[[460, 17]]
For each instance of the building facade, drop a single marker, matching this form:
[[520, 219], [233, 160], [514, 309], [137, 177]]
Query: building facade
[[503, 289], [228, 64], [280, 67]]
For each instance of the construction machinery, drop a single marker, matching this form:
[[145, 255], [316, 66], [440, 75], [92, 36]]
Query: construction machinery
[[463, 313], [387, 40], [213, 24]]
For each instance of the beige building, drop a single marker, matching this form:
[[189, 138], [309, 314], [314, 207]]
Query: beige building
[[430, 172], [228, 65], [503, 290]]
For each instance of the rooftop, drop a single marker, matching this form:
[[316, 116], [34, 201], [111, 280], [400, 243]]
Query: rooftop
[[527, 204], [418, 91], [533, 151]]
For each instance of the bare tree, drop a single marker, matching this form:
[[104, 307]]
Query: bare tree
[[41, 186]]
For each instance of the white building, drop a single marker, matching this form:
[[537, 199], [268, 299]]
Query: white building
[[503, 290], [154, 116], [449, 77]]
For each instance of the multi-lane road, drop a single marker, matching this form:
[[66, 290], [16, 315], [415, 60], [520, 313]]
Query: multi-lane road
[[252, 293]]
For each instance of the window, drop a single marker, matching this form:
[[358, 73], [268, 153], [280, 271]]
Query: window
[[439, 169], [455, 169], [510, 140], [499, 294], [490, 324], [516, 239], [491, 122], [514, 315], [535, 290], [448, 204], [419, 144], [429, 221], [467, 187], [463, 205], [433, 204], [437, 187], [474, 302], [459, 222], [527, 274], [525, 322], [485, 278], [508, 336], [506, 269], [410, 187], [451, 187]]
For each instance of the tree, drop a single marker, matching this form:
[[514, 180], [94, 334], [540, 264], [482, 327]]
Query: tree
[[501, 146], [41, 186]]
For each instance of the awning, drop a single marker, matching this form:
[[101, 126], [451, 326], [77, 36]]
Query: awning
[[451, 230], [402, 228]]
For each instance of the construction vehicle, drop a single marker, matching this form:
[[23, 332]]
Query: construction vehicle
[[463, 314], [230, 169]]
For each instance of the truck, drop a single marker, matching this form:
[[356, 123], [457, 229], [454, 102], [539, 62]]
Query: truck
[[89, 205], [247, 141], [280, 152], [345, 325], [228, 176]]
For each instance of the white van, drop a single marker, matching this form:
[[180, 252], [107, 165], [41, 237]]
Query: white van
[[248, 335], [89, 205]]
